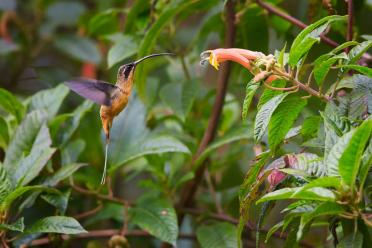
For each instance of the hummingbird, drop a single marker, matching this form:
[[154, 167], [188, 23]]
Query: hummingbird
[[112, 98]]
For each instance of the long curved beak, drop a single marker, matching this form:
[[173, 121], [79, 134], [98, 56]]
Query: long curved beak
[[150, 56]]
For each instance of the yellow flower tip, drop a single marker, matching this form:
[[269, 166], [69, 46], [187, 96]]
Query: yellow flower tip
[[213, 60]]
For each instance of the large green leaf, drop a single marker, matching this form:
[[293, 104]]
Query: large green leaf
[[105, 22], [316, 193], [5, 184], [350, 159], [60, 201], [241, 133], [64, 172], [362, 69], [360, 97], [219, 235], [268, 94], [18, 192], [80, 48], [49, 100], [250, 90], [308, 37], [56, 224], [336, 152], [124, 48], [283, 118], [30, 166], [322, 67], [356, 52], [264, 115], [130, 138], [23, 139], [325, 182], [18, 226], [365, 165], [4, 133], [11, 104], [70, 123], [326, 208], [158, 217]]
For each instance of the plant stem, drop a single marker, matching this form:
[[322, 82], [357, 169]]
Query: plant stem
[[349, 35]]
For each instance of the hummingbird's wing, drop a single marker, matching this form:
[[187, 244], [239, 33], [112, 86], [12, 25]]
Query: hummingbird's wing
[[97, 91]]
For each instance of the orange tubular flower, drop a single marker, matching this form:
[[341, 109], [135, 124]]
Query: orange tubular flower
[[241, 56]]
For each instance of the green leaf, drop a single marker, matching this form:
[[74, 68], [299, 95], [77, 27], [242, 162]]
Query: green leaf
[[360, 97], [316, 193], [219, 235], [64, 172], [149, 41], [310, 127], [269, 94], [104, 23], [322, 67], [11, 104], [264, 115], [23, 139], [4, 133], [362, 69], [365, 165], [124, 48], [326, 208], [356, 52], [18, 192], [336, 152], [80, 48], [241, 133], [71, 123], [130, 138], [17, 226], [310, 35], [30, 166], [310, 163], [136, 9], [281, 56], [273, 229], [325, 182], [49, 100], [343, 46], [283, 118], [158, 217], [5, 184], [350, 159], [56, 224], [72, 151], [250, 90], [60, 201]]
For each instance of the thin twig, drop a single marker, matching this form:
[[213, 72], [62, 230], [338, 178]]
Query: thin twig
[[103, 234], [349, 35], [89, 212], [99, 196]]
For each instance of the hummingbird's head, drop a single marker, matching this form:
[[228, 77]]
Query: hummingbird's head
[[126, 71]]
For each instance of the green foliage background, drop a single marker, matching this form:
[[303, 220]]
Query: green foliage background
[[51, 142]]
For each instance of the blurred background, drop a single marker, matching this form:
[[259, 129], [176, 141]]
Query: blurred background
[[45, 42]]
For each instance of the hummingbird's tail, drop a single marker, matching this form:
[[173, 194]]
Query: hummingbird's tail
[[105, 166]]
